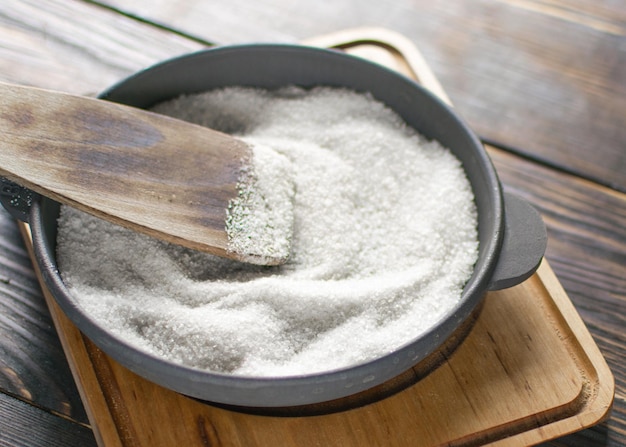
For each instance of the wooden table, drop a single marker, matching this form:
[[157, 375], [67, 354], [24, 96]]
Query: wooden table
[[542, 81]]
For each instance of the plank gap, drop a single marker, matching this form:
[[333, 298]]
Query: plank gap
[[149, 22], [554, 165]]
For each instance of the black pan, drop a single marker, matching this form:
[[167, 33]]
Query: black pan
[[512, 237]]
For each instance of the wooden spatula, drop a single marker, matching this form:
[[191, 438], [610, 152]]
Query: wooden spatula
[[164, 177]]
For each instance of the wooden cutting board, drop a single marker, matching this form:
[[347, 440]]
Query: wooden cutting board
[[526, 371]]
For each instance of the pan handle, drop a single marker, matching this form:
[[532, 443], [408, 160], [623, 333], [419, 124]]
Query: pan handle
[[523, 246], [16, 199]]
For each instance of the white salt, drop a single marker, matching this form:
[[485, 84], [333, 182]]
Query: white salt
[[383, 240], [259, 220]]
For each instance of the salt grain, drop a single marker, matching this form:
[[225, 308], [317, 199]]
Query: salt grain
[[383, 239], [259, 220]]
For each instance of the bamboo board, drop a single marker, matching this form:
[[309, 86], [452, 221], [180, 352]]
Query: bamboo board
[[527, 371]]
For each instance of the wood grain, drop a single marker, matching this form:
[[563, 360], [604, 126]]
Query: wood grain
[[508, 65], [136, 168], [52, 431], [32, 363], [76, 47]]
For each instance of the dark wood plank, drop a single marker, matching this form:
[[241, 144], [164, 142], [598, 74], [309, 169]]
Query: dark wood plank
[[510, 66], [77, 47], [32, 363], [22, 425]]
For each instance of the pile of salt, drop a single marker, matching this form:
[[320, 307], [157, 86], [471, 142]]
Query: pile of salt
[[384, 238]]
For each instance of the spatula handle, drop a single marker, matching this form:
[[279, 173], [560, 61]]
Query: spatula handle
[[164, 177]]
